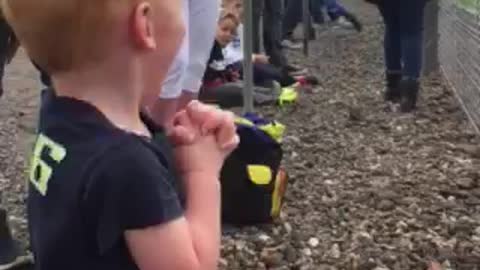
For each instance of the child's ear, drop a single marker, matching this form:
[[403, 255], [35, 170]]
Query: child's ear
[[142, 26]]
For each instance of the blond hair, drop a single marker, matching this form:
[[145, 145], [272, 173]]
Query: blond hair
[[227, 15], [63, 34]]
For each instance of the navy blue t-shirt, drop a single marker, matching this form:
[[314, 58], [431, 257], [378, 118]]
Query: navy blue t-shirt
[[89, 183]]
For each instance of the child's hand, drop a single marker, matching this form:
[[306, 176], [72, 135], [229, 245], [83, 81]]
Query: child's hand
[[209, 120], [260, 58], [235, 76], [204, 137]]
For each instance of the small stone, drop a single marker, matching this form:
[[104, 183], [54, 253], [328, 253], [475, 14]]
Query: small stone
[[328, 182], [264, 237], [240, 245], [446, 265], [434, 266], [363, 237], [465, 183], [406, 243], [402, 225], [386, 205], [335, 251], [477, 231], [324, 267], [307, 251], [290, 254], [271, 258], [223, 262], [313, 242], [355, 114], [288, 227]]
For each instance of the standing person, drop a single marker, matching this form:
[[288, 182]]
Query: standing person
[[103, 181], [184, 78], [271, 11], [8, 47], [293, 16], [272, 30], [336, 12], [403, 47]]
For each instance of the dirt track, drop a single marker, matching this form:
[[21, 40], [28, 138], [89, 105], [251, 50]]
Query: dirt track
[[371, 189]]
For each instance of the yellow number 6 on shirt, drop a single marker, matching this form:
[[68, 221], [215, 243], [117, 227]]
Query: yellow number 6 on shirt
[[40, 171]]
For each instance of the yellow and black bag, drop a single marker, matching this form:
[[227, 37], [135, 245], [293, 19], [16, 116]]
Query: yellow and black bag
[[253, 183]]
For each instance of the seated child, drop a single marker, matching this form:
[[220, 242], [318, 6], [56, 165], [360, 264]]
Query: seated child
[[263, 72], [103, 189], [221, 82]]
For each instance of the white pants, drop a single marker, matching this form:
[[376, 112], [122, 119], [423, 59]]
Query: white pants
[[187, 70]]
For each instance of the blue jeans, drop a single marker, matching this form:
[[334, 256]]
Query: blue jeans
[[334, 9], [403, 36]]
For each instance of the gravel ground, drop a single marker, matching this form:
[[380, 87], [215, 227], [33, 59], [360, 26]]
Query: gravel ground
[[370, 188]]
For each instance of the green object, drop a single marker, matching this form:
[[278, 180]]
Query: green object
[[259, 174], [274, 129], [288, 96]]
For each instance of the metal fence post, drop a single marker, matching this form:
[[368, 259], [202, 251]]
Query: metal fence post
[[247, 60]]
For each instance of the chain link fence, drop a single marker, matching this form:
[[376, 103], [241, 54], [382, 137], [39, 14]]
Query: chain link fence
[[458, 45]]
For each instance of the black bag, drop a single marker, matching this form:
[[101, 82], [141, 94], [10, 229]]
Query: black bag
[[253, 184]]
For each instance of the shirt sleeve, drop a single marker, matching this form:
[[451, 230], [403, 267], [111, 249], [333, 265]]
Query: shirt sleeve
[[131, 189]]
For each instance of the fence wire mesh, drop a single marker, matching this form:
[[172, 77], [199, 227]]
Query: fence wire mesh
[[459, 51]]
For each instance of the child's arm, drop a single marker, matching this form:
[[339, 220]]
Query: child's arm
[[192, 241], [188, 243]]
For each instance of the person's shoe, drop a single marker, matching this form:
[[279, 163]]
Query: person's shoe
[[289, 44], [393, 93], [410, 89], [341, 22], [354, 21], [9, 250], [298, 72], [307, 80], [295, 71], [276, 88]]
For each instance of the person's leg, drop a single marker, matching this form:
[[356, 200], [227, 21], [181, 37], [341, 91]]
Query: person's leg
[[392, 50], [332, 9], [273, 33], [411, 20], [230, 95], [9, 250], [202, 24], [164, 108], [335, 11], [4, 41], [264, 74], [293, 16], [316, 9]]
